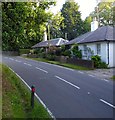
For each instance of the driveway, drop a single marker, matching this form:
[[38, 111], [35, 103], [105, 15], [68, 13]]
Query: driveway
[[102, 73]]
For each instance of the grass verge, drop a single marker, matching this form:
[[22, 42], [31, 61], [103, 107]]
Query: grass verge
[[113, 78], [16, 98], [61, 64]]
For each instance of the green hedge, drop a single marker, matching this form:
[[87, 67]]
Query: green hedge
[[24, 51]]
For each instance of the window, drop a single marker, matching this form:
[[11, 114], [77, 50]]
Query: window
[[85, 49], [98, 49]]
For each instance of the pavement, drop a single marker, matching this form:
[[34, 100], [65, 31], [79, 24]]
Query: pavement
[[67, 93]]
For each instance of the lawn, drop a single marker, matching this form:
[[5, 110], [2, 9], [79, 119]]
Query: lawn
[[16, 98]]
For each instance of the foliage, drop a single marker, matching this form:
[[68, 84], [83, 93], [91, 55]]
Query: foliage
[[24, 51], [104, 12], [23, 23], [73, 24], [76, 52], [67, 53], [55, 25], [98, 63], [87, 24]]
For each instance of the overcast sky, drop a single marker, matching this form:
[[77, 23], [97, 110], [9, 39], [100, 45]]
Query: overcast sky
[[86, 6]]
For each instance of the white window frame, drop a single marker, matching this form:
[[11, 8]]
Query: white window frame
[[98, 49]]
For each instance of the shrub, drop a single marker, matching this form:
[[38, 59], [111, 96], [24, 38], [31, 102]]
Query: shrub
[[66, 53], [76, 52], [50, 57], [102, 65], [98, 63], [24, 51]]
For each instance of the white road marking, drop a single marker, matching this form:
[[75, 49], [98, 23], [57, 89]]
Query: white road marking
[[11, 58], [52, 116], [59, 66], [88, 93], [17, 61], [41, 70], [67, 82], [91, 75], [5, 57], [27, 64], [107, 103], [105, 80], [80, 72]]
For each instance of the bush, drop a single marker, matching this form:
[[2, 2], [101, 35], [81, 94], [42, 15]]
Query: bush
[[76, 52], [24, 51], [102, 65], [66, 53], [42, 55], [50, 57], [98, 63]]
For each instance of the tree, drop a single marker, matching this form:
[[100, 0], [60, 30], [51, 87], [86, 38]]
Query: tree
[[55, 25], [73, 24], [104, 13], [87, 24], [23, 23]]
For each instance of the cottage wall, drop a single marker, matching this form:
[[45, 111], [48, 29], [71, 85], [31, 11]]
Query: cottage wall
[[112, 54], [103, 52]]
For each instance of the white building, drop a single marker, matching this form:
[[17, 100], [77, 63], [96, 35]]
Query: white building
[[100, 42]]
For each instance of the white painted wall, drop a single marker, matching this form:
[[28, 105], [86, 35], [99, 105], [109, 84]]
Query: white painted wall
[[104, 51], [112, 54]]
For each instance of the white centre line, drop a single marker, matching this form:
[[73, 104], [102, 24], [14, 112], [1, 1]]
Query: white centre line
[[67, 82], [105, 80], [17, 61], [27, 64], [11, 58], [41, 70], [107, 103], [80, 72], [91, 75]]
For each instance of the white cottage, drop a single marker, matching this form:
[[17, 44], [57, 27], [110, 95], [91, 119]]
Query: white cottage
[[98, 42]]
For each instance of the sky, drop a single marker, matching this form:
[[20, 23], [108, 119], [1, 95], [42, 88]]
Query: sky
[[86, 7]]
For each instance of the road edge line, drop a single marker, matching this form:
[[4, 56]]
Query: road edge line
[[47, 109]]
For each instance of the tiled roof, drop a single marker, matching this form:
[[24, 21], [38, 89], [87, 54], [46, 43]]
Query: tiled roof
[[52, 42], [104, 33]]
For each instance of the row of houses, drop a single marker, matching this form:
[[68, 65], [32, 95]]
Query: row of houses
[[100, 41]]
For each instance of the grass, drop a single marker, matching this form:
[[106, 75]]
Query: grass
[[61, 64], [113, 78], [16, 98]]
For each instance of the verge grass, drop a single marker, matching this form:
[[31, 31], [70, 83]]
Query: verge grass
[[16, 98]]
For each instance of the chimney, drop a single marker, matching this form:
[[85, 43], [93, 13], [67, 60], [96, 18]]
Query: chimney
[[94, 25], [45, 36]]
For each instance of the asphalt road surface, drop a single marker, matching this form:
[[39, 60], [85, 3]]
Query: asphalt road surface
[[67, 93]]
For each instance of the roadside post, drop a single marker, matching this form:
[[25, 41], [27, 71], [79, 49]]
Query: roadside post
[[32, 96]]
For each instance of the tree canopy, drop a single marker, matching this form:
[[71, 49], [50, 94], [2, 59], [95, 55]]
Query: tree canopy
[[23, 23], [104, 12], [73, 24]]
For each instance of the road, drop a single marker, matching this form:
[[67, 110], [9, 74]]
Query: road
[[66, 92]]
